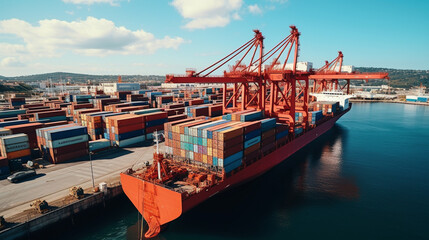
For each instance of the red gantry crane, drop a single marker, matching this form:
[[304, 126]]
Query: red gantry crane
[[278, 89]]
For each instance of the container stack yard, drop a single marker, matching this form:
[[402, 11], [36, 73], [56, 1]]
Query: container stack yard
[[65, 128]]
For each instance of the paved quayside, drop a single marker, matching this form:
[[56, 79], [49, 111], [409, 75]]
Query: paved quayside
[[54, 181]]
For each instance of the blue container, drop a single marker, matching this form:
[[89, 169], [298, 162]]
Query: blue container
[[268, 124], [422, 99], [214, 161], [252, 116], [66, 132], [232, 158], [227, 117], [252, 142], [12, 123], [234, 165], [156, 122], [54, 119], [298, 131], [281, 135], [129, 135], [4, 170], [252, 134]]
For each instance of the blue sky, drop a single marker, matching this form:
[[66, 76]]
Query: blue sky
[[160, 37]]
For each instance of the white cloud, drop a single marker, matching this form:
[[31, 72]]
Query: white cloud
[[254, 9], [91, 36], [11, 62], [208, 13], [90, 2]]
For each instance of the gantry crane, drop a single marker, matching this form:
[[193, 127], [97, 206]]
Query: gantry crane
[[278, 89]]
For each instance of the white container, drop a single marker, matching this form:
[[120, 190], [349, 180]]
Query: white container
[[103, 187], [17, 147], [99, 144], [67, 141], [5, 132], [15, 138], [130, 141]]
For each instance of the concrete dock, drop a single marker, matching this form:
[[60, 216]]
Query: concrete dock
[[53, 182]]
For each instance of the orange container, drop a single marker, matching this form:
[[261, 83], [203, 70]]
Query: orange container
[[230, 133], [18, 154]]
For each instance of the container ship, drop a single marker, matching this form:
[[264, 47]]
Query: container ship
[[267, 113]]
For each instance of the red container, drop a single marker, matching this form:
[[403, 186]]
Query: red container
[[154, 116], [250, 126], [155, 128], [51, 124], [173, 105], [268, 133], [269, 148], [177, 117], [31, 105], [4, 161], [50, 114], [127, 120], [69, 148], [229, 151], [9, 119], [128, 128], [221, 145], [69, 156], [131, 108], [196, 102], [268, 141]]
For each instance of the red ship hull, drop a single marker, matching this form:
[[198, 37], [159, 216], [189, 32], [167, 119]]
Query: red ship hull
[[156, 201]]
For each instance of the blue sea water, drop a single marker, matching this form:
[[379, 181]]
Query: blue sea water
[[367, 178]]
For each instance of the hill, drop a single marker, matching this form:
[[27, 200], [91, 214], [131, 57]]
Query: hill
[[76, 77], [20, 87], [398, 77]]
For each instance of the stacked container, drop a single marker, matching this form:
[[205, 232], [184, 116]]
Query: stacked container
[[327, 108], [4, 166], [16, 149], [17, 101], [125, 130], [29, 129], [268, 135], [94, 124], [122, 95], [64, 143], [51, 116], [197, 111], [314, 117], [136, 97], [215, 110], [81, 98], [11, 113]]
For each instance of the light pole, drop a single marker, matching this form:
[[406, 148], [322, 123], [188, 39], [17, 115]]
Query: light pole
[[92, 173]]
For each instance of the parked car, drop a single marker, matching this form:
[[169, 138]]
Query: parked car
[[18, 176]]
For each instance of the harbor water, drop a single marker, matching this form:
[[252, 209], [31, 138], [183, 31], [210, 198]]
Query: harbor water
[[367, 178]]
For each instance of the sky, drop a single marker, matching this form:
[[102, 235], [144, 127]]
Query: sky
[[161, 37]]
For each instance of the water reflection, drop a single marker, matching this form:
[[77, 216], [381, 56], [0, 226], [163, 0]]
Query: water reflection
[[313, 176]]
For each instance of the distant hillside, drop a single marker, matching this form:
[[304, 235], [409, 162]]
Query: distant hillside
[[76, 77], [399, 78], [20, 87]]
